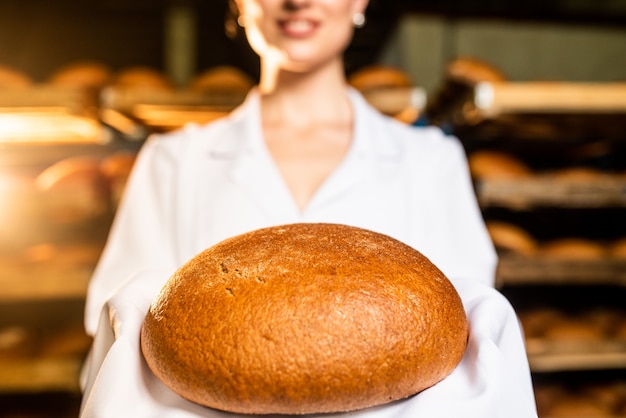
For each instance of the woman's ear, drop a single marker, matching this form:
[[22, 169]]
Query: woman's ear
[[237, 5], [360, 6]]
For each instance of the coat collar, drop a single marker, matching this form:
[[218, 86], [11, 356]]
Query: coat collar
[[253, 169], [370, 137]]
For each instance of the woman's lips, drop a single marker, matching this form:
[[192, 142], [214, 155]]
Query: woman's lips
[[298, 28]]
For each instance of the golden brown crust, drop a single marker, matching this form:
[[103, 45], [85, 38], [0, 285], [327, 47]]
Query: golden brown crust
[[85, 74], [304, 318], [10, 78], [142, 78], [379, 76], [497, 165], [578, 174], [508, 237], [574, 249], [471, 71], [222, 79], [74, 189], [617, 248]]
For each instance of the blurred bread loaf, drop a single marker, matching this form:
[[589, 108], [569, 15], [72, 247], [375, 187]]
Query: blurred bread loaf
[[75, 189], [497, 165], [617, 248], [11, 78], [142, 78], [573, 248], [379, 76], [472, 70], [222, 79], [116, 169], [508, 237], [86, 74]]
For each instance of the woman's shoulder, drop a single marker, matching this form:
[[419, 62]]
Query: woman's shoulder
[[193, 132], [391, 130], [428, 141]]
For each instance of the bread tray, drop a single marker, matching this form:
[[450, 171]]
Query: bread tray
[[517, 269], [49, 114], [41, 374], [549, 356], [550, 191], [493, 99], [164, 110]]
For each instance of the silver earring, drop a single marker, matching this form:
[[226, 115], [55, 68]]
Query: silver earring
[[358, 20]]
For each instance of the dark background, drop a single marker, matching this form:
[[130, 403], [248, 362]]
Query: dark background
[[39, 36]]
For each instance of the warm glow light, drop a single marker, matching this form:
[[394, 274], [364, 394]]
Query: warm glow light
[[6, 187], [55, 126]]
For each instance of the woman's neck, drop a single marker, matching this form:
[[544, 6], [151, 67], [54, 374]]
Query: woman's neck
[[305, 98], [307, 126]]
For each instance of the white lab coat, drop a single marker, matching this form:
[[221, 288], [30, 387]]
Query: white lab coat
[[192, 188]]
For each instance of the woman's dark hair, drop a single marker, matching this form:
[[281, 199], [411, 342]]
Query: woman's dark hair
[[231, 27]]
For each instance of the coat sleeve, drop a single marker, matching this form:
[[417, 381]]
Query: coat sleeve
[[143, 232], [462, 246]]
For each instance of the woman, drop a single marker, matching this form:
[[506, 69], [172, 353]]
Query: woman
[[302, 148]]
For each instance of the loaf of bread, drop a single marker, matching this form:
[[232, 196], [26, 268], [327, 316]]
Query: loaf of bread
[[497, 165], [379, 76], [304, 318], [472, 70], [617, 248], [573, 248], [508, 237], [74, 189], [11, 78], [142, 78], [83, 74], [116, 168], [222, 79]]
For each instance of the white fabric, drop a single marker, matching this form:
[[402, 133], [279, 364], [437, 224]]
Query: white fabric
[[192, 188], [491, 381]]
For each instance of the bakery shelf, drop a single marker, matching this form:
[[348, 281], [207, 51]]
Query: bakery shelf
[[493, 99], [38, 284], [551, 356], [47, 114], [131, 110], [394, 100], [41, 374], [515, 269], [546, 190], [42, 345], [554, 111]]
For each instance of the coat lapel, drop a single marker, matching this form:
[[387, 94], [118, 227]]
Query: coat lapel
[[252, 168], [370, 146]]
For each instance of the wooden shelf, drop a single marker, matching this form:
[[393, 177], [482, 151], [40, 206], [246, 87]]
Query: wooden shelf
[[41, 374], [546, 190], [131, 111], [49, 114], [516, 269], [540, 111], [42, 284], [168, 110], [551, 356], [493, 99], [394, 100]]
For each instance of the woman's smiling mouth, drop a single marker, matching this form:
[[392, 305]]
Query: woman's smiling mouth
[[298, 28]]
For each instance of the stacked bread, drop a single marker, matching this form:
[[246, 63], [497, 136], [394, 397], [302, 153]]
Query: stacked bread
[[597, 400]]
